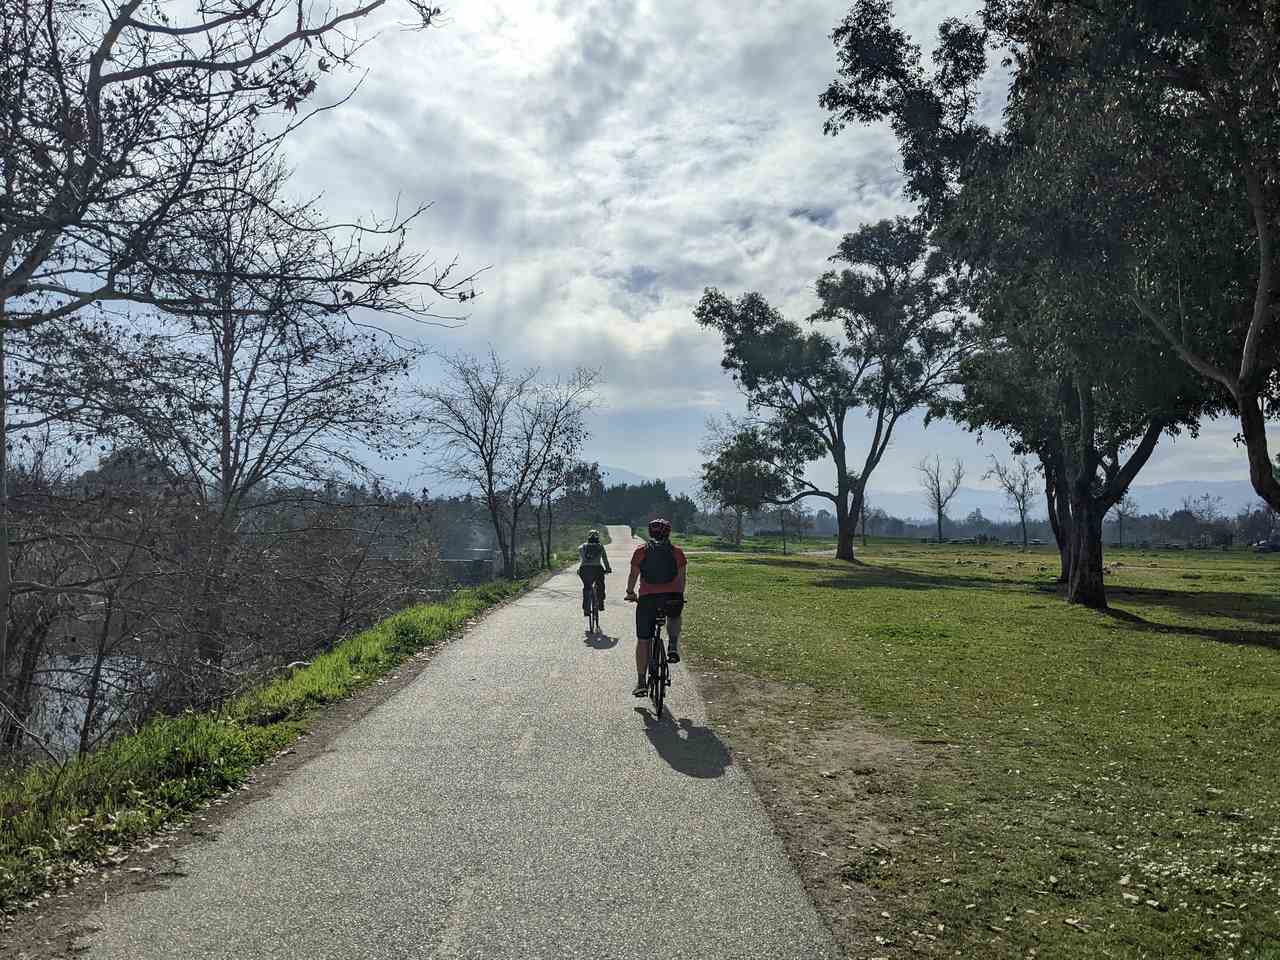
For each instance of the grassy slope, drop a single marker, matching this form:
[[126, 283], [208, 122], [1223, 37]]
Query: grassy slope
[[52, 821], [1102, 755]]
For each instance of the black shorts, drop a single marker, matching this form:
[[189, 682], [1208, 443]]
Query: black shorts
[[672, 604]]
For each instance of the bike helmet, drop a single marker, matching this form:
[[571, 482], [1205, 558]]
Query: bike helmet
[[659, 529], [593, 536]]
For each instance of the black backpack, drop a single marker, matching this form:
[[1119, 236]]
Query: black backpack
[[659, 564], [591, 554]]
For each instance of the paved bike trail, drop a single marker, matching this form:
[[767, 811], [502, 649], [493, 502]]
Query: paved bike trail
[[512, 802]]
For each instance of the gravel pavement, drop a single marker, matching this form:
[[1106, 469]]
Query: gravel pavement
[[514, 802]]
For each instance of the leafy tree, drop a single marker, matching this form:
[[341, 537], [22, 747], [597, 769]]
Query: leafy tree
[[895, 345], [1041, 265], [637, 503], [742, 475], [1186, 160], [683, 513]]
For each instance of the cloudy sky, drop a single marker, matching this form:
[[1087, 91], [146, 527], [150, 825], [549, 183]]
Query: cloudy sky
[[607, 160]]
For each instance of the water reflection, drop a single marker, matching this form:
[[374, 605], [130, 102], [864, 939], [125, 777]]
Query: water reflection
[[64, 689]]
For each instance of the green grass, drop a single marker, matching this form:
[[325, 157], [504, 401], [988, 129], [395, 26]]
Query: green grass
[[750, 544], [1105, 761], [54, 821]]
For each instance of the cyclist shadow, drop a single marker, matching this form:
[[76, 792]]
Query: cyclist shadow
[[599, 641], [688, 748]]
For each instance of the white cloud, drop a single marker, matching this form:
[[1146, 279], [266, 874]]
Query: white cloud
[[609, 159]]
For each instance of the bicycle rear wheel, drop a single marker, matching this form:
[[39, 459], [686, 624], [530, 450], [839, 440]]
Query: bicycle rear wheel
[[658, 672], [594, 622]]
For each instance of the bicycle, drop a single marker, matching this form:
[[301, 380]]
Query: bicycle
[[593, 608], [659, 669]]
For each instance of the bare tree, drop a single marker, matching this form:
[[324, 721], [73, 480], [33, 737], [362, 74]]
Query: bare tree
[[268, 371], [118, 124], [1125, 509], [256, 380], [939, 488], [498, 432], [1016, 480]]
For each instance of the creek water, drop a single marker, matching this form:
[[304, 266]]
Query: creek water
[[63, 683]]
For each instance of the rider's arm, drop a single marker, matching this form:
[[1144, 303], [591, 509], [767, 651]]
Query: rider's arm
[[679, 581], [604, 557]]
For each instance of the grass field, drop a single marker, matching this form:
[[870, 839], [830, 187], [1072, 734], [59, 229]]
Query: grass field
[[1102, 784], [750, 544]]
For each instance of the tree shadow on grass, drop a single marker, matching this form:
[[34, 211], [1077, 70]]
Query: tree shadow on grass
[[689, 749], [862, 576], [789, 563], [1254, 607], [1247, 638], [895, 579]]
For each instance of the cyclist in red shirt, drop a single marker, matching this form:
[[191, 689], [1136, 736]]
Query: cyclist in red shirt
[[659, 565]]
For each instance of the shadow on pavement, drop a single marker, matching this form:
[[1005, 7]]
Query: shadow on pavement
[[689, 749], [599, 641]]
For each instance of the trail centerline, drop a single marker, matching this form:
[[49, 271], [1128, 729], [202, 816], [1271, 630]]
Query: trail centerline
[[512, 802]]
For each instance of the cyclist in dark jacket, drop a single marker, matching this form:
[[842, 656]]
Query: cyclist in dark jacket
[[593, 564]]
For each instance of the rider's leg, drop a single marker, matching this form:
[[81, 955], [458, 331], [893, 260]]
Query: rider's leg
[[600, 583], [645, 617], [673, 643], [586, 577]]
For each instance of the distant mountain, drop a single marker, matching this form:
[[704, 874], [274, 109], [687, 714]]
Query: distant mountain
[[615, 475], [1151, 498]]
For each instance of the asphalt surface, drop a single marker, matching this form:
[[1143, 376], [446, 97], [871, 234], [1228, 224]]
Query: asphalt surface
[[513, 802]]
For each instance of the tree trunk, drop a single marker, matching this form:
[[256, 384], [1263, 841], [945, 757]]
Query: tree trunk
[[210, 644], [543, 552], [5, 572], [1024, 529], [513, 535], [22, 698], [95, 679], [500, 534], [939, 526], [737, 527], [1262, 471], [1085, 585], [844, 528], [550, 525], [1055, 492]]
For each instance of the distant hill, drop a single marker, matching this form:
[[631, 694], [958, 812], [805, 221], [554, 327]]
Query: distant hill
[[910, 504], [1151, 498]]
